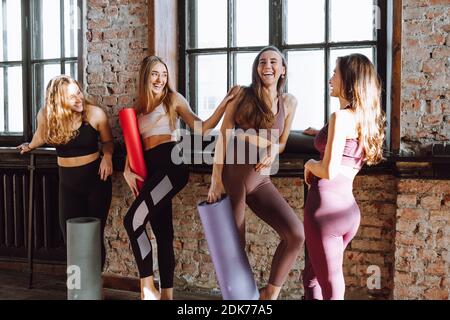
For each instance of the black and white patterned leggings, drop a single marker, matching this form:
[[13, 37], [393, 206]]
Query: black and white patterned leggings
[[154, 204]]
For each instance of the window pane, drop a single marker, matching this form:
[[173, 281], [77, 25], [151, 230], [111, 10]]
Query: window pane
[[72, 70], [305, 21], [71, 28], [334, 54], [211, 31], [211, 86], [252, 23], [3, 56], [15, 104], [42, 74], [46, 29], [10, 11], [12, 105], [306, 83], [2, 102], [244, 63], [352, 20]]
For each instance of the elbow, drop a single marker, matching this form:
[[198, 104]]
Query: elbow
[[108, 146]]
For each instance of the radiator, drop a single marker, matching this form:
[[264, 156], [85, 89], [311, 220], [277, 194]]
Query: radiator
[[48, 244]]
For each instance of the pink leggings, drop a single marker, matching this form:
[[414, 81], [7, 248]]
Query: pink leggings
[[331, 221]]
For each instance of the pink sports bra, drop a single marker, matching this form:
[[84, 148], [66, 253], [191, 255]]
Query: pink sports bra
[[353, 155]]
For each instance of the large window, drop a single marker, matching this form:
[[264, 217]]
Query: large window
[[39, 40], [222, 37]]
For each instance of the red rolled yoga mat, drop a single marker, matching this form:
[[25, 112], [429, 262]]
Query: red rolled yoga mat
[[128, 122]]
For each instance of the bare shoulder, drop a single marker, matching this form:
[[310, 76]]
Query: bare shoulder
[[41, 114], [345, 120], [178, 100], [177, 97], [95, 115], [240, 90], [239, 93], [95, 111], [41, 117], [343, 116], [289, 102]]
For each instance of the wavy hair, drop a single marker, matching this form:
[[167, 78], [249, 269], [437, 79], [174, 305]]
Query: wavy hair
[[58, 114], [361, 86]]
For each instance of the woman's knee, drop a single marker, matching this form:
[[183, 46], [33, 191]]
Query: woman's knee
[[179, 177], [165, 247], [164, 233], [296, 235]]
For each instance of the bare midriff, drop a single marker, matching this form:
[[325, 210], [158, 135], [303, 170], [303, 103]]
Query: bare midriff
[[78, 161], [153, 141]]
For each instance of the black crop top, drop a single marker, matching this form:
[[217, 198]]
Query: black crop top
[[86, 142]]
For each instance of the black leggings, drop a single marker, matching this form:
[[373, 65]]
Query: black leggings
[[83, 194], [154, 203]]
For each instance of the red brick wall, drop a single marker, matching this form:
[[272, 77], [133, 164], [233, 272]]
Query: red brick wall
[[422, 256], [425, 108], [116, 43], [374, 243]]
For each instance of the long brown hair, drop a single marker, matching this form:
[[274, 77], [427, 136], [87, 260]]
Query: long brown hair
[[254, 109], [59, 116], [146, 101], [361, 86]]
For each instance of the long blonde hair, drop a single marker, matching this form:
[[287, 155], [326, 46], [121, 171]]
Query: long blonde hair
[[255, 108], [361, 86], [146, 101], [59, 116]]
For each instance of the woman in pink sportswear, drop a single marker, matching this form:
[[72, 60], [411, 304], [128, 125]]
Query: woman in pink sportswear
[[353, 136]]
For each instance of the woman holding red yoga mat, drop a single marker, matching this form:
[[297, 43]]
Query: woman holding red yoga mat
[[158, 109]]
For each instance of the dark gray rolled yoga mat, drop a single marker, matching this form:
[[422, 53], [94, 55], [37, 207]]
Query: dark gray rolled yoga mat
[[84, 274], [230, 261]]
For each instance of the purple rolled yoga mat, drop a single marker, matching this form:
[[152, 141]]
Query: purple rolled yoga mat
[[233, 270]]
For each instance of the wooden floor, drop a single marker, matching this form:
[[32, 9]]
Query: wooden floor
[[14, 286]]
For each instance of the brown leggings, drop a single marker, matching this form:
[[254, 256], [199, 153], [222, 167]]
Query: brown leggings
[[244, 185]]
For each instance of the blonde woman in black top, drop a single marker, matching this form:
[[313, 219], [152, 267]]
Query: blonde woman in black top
[[74, 125]]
